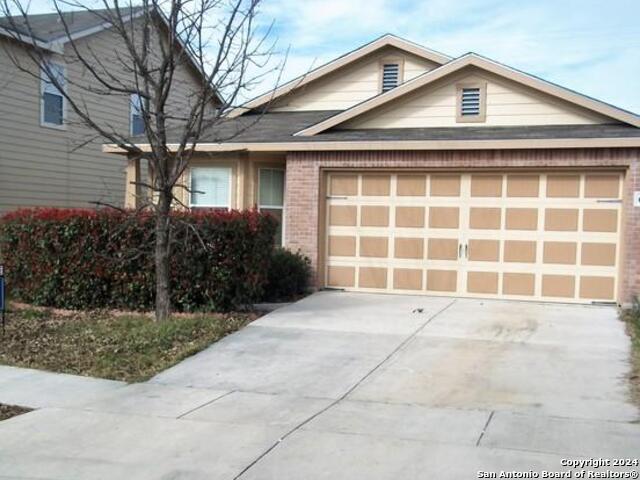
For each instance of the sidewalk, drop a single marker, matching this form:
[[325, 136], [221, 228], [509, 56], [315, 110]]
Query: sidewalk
[[39, 389]]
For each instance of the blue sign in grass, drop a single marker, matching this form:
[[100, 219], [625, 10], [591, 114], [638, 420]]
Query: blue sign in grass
[[2, 294]]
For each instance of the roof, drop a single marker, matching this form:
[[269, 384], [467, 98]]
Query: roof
[[281, 126], [275, 132], [486, 64], [387, 40], [48, 27]]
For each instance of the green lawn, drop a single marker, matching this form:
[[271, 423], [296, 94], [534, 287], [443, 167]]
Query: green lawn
[[632, 318], [131, 348]]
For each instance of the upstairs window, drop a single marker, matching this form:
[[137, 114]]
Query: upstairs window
[[471, 103], [211, 187], [52, 105], [390, 76], [136, 120]]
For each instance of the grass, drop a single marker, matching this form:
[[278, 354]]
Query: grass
[[131, 348], [8, 411], [632, 318]]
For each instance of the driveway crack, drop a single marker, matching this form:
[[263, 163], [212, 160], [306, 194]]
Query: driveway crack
[[484, 429], [399, 347]]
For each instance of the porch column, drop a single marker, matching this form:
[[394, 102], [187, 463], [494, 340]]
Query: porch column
[[132, 189]]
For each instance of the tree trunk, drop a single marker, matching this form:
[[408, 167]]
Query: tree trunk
[[162, 256]]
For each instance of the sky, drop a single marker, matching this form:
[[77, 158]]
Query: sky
[[591, 46]]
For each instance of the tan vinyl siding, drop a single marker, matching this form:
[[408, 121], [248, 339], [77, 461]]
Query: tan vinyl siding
[[42, 166], [351, 84], [507, 104]]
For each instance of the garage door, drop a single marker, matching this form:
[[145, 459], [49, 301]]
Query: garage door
[[536, 236]]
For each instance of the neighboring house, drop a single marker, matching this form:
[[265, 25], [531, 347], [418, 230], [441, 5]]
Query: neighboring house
[[47, 158], [399, 169]]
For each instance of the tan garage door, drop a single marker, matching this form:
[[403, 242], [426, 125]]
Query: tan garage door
[[543, 236]]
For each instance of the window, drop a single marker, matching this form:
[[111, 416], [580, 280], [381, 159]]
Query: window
[[271, 195], [136, 120], [390, 76], [211, 187], [471, 103], [53, 105]]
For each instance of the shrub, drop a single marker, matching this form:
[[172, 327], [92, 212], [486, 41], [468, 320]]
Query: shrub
[[86, 259], [288, 277]]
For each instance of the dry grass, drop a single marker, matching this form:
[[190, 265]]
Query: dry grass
[[632, 319], [128, 347], [8, 411]]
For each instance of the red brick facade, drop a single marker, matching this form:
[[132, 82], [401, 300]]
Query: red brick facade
[[304, 174]]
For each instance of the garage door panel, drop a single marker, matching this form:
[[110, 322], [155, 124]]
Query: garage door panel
[[486, 185], [442, 280], [563, 253], [412, 185], [514, 235], [523, 185], [563, 186], [444, 217], [521, 219], [374, 247], [343, 185], [374, 216], [407, 278], [372, 277], [602, 186], [445, 185], [376, 185], [518, 284], [482, 282]]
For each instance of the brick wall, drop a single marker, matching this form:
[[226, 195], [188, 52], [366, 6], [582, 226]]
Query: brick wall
[[304, 174]]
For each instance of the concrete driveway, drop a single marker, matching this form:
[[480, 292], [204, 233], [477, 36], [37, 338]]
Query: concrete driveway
[[350, 386]]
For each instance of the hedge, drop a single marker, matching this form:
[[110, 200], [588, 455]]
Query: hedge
[[88, 259]]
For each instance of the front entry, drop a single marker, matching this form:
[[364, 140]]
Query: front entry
[[551, 236]]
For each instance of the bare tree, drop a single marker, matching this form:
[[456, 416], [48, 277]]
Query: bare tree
[[219, 38]]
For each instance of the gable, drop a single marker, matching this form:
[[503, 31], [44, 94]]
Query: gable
[[507, 104], [352, 83]]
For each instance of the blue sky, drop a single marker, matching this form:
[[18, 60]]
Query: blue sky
[[592, 46]]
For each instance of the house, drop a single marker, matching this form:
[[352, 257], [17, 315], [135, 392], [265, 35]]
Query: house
[[399, 169], [48, 157]]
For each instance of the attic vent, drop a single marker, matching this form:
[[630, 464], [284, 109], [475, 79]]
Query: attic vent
[[470, 102], [471, 105], [390, 76]]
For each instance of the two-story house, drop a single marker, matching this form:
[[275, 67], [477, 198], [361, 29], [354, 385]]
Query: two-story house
[[47, 156]]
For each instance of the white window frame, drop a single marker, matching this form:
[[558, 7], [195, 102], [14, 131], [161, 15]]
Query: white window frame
[[274, 207], [199, 205], [142, 100], [44, 81]]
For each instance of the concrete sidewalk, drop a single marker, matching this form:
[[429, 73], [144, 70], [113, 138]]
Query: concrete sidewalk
[[346, 386]]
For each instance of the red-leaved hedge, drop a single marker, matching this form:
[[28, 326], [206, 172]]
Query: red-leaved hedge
[[86, 259]]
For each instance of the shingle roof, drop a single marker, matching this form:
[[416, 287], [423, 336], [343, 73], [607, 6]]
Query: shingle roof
[[48, 26], [279, 127]]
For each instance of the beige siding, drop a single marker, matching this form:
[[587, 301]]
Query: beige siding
[[351, 84], [507, 104], [41, 166]]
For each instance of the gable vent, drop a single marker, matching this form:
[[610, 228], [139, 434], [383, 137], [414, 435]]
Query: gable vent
[[390, 76], [470, 102]]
